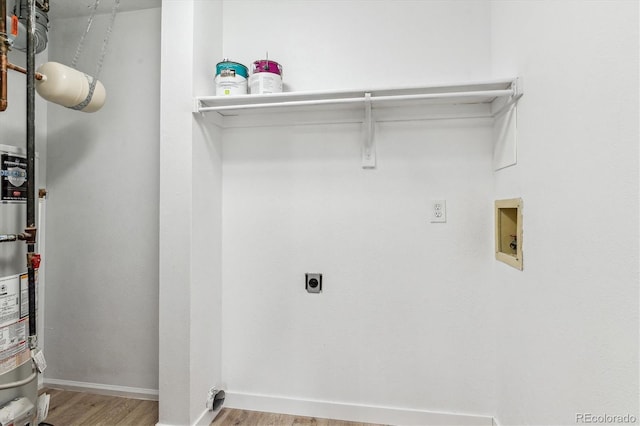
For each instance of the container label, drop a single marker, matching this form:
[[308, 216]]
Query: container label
[[265, 82], [231, 85]]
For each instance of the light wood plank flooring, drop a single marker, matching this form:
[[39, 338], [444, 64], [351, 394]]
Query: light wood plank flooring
[[228, 417], [69, 408]]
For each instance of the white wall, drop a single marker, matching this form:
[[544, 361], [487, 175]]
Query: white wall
[[568, 324], [337, 44], [102, 240], [190, 215], [403, 317], [403, 320], [175, 203], [206, 262]]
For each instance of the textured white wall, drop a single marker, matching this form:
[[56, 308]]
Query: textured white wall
[[102, 240], [403, 319], [337, 44], [568, 324]]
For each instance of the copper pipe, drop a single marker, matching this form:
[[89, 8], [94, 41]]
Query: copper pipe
[[3, 78], [3, 55], [24, 70]]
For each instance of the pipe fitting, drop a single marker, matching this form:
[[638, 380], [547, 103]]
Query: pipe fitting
[[29, 234]]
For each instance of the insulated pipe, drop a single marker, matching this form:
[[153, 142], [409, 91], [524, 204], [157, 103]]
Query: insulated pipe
[[7, 238], [3, 55], [31, 163]]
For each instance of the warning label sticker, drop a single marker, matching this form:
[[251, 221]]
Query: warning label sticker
[[9, 300], [13, 324], [13, 346], [24, 295]]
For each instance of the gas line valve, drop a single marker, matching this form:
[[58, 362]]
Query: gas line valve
[[34, 260]]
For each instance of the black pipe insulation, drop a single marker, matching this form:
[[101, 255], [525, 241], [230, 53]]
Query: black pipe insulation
[[31, 165]]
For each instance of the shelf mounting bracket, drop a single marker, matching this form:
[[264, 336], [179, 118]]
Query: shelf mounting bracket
[[368, 143]]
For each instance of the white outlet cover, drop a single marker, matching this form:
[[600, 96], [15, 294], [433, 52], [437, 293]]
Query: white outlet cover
[[438, 212]]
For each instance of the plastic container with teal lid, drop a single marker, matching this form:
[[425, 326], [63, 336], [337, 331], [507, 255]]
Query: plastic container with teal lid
[[231, 78]]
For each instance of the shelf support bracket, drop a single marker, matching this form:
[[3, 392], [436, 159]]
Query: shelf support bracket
[[368, 143]]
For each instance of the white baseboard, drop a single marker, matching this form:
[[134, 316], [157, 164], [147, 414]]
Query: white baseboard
[[206, 417], [300, 407], [102, 389], [351, 412]]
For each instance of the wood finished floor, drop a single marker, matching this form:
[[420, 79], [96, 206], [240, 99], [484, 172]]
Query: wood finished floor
[[68, 408], [228, 417]]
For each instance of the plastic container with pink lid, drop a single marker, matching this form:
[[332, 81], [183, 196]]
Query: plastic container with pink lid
[[266, 77]]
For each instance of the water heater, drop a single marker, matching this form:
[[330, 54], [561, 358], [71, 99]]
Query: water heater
[[15, 356], [18, 412]]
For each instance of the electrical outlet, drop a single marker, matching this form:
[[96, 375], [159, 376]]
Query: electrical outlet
[[313, 283], [438, 211]]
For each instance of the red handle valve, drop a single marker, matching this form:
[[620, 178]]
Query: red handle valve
[[35, 261]]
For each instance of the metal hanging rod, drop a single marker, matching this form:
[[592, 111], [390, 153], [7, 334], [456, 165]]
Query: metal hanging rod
[[284, 104], [479, 93]]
